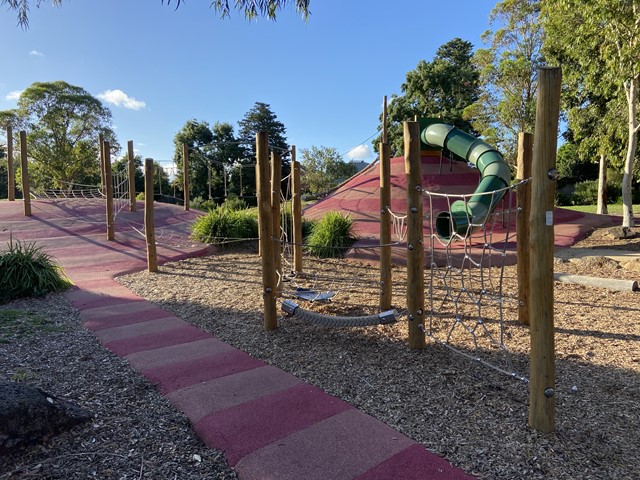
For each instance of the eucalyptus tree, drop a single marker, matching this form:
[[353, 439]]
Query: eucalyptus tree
[[255, 8], [602, 41], [63, 122], [508, 74], [442, 88], [251, 8]]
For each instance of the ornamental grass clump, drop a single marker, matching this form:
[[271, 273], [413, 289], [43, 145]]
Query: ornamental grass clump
[[223, 225], [27, 271], [331, 236]]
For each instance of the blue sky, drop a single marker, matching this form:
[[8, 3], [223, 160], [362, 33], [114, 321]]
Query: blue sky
[[156, 67]]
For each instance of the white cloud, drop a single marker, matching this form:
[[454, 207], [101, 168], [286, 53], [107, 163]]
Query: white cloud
[[121, 99], [140, 144], [14, 96], [361, 152], [36, 53]]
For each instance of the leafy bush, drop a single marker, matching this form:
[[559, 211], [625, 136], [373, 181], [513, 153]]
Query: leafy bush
[[308, 226], [586, 193], [26, 271], [614, 193], [331, 236], [200, 204], [221, 225], [232, 202]]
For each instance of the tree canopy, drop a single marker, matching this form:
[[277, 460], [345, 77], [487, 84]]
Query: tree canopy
[[197, 136], [255, 8], [323, 169], [63, 122], [223, 163], [600, 42], [442, 88], [251, 8], [262, 119], [508, 74]]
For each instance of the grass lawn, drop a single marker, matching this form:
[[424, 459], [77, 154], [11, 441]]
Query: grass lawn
[[614, 209]]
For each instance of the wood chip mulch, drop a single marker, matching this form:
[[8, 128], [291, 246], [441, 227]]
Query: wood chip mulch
[[471, 414]]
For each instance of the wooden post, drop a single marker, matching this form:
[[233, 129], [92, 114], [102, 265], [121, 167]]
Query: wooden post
[[185, 174], [543, 174], [11, 168], [257, 169], [132, 176], [149, 226], [415, 250], [266, 231], [24, 163], [109, 190], [525, 153], [103, 183], [296, 212], [385, 215], [276, 175]]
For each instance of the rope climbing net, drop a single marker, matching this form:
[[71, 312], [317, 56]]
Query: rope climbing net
[[470, 310], [173, 236], [76, 195], [399, 225], [120, 191], [67, 190]]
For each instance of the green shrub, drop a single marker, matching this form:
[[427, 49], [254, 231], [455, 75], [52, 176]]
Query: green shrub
[[562, 199], [232, 202], [200, 204], [308, 226], [140, 196], [26, 271], [221, 225], [331, 236], [614, 193], [586, 193]]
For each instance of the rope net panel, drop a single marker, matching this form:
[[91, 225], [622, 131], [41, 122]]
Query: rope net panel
[[470, 310], [120, 191], [63, 190]]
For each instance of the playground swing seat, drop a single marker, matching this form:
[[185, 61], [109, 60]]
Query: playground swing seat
[[310, 295]]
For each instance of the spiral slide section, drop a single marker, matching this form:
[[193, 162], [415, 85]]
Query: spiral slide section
[[495, 174]]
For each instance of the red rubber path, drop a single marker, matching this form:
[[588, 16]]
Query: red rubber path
[[270, 424]]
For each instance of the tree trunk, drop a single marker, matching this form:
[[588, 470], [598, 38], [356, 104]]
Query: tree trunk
[[631, 89], [602, 186]]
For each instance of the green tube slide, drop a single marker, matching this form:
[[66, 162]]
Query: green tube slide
[[495, 174]]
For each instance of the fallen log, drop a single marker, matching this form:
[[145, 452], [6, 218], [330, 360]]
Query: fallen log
[[609, 283]]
